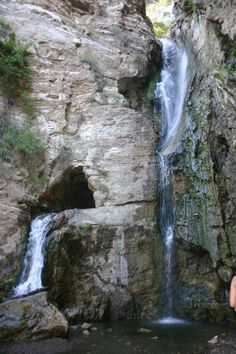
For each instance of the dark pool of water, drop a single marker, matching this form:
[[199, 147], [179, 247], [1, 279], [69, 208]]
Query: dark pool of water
[[127, 337]]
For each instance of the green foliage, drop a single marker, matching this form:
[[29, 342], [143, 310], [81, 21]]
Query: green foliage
[[189, 6], [230, 68], [37, 182], [23, 144], [4, 28], [15, 72], [230, 65], [87, 58], [232, 53], [103, 226], [86, 227], [160, 29], [103, 188]]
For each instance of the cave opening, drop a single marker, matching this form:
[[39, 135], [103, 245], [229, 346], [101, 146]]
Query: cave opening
[[70, 192]]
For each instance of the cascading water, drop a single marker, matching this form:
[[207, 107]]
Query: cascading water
[[30, 279], [170, 94]]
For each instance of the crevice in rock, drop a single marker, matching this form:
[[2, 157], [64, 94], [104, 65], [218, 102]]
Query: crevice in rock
[[132, 90], [84, 6], [71, 191], [135, 90], [219, 150], [135, 202]]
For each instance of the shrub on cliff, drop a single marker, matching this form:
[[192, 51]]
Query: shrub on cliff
[[15, 72], [189, 6], [22, 145]]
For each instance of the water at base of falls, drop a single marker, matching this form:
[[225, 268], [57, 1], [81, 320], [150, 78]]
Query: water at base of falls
[[171, 321], [30, 279], [169, 97]]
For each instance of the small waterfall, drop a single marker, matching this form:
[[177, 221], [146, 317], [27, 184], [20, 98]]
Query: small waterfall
[[170, 94], [30, 279]]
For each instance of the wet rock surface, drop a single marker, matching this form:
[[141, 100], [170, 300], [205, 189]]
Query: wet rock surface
[[204, 174]]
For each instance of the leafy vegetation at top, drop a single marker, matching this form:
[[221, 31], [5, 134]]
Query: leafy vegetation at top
[[160, 28], [15, 72], [189, 6], [160, 14]]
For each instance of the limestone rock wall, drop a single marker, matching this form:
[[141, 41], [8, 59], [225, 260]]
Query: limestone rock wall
[[92, 62], [104, 263], [204, 169]]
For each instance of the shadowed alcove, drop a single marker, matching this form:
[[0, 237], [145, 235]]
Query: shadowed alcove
[[71, 191]]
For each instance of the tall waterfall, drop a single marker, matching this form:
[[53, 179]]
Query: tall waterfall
[[30, 279], [170, 94]]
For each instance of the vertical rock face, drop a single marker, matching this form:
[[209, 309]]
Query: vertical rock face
[[103, 263], [204, 178], [92, 62]]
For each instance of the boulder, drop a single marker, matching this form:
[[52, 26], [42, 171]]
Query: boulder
[[31, 317]]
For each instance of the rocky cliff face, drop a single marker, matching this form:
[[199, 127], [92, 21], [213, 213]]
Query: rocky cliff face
[[204, 168], [92, 62]]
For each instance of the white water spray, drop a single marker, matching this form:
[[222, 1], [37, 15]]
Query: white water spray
[[170, 93], [30, 279]]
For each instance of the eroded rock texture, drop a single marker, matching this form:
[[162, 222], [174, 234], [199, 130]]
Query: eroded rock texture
[[32, 317], [103, 263], [204, 171], [92, 62]]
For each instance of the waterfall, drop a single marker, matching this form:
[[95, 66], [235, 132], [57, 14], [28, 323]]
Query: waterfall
[[169, 97], [30, 279]]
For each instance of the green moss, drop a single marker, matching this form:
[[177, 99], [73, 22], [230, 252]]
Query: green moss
[[151, 88], [86, 227], [230, 68], [15, 72], [232, 52]]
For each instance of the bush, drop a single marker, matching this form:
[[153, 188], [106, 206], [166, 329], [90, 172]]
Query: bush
[[88, 58], [189, 6], [160, 29], [15, 73], [22, 144], [86, 227]]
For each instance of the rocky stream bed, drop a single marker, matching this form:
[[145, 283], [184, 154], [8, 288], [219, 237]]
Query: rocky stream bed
[[131, 337]]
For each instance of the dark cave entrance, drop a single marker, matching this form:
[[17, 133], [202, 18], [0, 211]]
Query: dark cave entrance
[[70, 192]]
